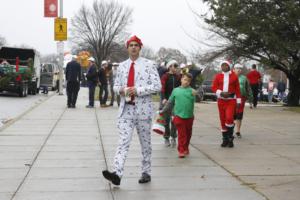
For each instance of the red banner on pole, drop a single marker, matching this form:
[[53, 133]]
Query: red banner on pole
[[50, 8], [17, 64]]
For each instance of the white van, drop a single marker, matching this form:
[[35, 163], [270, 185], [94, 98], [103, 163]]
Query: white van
[[49, 76]]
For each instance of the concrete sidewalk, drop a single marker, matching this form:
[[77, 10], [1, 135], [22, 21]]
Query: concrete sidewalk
[[58, 153]]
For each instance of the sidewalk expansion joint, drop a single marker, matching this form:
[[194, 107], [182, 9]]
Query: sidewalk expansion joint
[[30, 165], [103, 152], [252, 186]]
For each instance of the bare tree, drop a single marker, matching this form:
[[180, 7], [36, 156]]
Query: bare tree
[[49, 58], [2, 41], [165, 54], [148, 53], [101, 27]]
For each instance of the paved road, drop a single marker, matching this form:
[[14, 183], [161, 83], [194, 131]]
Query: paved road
[[11, 106], [58, 153]]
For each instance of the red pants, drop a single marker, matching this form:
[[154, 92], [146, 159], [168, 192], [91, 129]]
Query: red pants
[[184, 128], [226, 112]]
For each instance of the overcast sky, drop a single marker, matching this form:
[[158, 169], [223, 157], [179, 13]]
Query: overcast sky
[[157, 22]]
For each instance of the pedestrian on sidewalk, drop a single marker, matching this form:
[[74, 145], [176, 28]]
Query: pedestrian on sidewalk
[[73, 77], [162, 69], [191, 68], [110, 77], [45, 89], [183, 99], [271, 87], [92, 80], [43, 86], [137, 79], [227, 88], [254, 78], [103, 84], [281, 87], [169, 81], [246, 94], [114, 73]]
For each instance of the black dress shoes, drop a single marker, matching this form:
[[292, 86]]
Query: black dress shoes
[[111, 176], [145, 178]]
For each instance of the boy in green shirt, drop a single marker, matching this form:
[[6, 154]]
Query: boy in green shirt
[[246, 94], [183, 99]]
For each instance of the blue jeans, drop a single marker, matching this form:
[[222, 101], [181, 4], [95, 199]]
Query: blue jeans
[[270, 96], [103, 98], [91, 94]]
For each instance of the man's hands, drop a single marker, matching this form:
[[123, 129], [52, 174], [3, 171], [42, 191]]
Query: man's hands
[[130, 91]]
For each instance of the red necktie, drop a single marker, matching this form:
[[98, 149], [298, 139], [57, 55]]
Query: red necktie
[[130, 81]]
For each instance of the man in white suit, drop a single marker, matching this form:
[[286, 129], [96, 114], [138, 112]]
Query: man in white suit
[[136, 80]]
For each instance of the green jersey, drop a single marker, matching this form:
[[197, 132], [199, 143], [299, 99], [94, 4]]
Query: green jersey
[[245, 87], [183, 100]]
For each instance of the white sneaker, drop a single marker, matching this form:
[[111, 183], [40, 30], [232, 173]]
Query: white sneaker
[[173, 142], [167, 142]]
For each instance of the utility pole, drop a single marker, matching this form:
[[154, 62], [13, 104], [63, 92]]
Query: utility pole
[[60, 51]]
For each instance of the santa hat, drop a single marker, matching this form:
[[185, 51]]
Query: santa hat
[[159, 125], [225, 62], [135, 39], [170, 63]]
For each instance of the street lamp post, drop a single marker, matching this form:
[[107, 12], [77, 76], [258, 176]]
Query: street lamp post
[[60, 49]]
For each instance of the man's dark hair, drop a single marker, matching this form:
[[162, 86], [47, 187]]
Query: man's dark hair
[[254, 66], [190, 76]]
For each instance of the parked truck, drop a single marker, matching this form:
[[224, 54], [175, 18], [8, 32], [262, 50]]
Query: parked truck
[[19, 71]]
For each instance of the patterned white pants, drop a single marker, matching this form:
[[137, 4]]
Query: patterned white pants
[[126, 127]]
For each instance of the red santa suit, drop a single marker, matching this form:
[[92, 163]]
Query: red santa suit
[[227, 82]]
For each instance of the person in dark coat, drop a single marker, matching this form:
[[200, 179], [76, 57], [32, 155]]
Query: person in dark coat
[[193, 70], [73, 77], [169, 81], [161, 71], [102, 76], [281, 90], [92, 80]]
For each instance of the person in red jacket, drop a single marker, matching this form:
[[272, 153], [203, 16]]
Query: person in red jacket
[[227, 88], [254, 78], [169, 81]]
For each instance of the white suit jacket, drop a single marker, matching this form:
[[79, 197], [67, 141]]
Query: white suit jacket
[[146, 82]]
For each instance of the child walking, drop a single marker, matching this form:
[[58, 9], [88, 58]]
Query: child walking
[[182, 100]]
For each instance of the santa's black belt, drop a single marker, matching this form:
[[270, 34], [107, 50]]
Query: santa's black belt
[[231, 95], [130, 103]]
